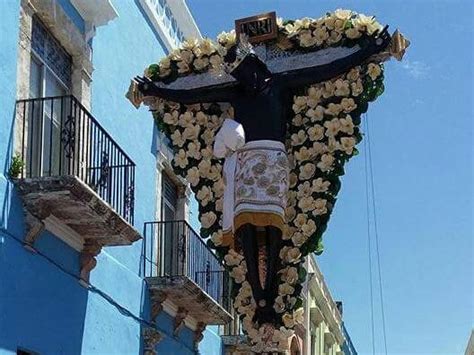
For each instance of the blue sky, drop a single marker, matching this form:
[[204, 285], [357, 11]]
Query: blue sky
[[422, 148]]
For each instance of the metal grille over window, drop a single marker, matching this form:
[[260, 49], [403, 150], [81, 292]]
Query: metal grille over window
[[51, 52]]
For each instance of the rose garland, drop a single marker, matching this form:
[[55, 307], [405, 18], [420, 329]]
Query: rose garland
[[321, 138]]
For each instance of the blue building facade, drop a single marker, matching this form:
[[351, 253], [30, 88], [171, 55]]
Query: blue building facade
[[69, 285]]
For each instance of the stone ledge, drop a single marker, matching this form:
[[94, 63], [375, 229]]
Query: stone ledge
[[77, 206], [188, 295]]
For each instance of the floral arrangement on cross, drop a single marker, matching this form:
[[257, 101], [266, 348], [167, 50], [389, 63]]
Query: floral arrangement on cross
[[323, 133]]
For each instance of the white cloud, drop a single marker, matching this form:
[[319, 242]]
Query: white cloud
[[416, 69]]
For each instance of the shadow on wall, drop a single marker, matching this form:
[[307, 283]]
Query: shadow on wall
[[42, 309]]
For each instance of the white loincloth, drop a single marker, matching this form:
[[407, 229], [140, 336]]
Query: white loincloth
[[256, 180]]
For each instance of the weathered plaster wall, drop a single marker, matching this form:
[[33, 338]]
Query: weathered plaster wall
[[42, 308]]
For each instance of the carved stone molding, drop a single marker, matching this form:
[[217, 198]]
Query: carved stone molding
[[178, 321], [151, 337], [34, 227], [198, 333], [157, 304], [87, 259]]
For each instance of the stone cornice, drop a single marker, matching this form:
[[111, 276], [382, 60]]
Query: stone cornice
[[162, 24], [96, 13]]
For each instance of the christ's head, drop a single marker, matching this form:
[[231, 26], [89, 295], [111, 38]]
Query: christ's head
[[252, 74]]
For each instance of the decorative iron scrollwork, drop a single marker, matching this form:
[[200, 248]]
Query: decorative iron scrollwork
[[68, 136], [129, 201], [104, 170]]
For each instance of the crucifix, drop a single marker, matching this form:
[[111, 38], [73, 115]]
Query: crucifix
[[260, 77]]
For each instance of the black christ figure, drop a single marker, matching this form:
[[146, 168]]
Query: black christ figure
[[261, 100]]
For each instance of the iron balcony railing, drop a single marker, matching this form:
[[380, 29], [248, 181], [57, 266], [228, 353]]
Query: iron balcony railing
[[173, 248], [60, 137]]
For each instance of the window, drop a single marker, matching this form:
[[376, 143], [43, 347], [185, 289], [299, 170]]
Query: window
[[50, 76], [169, 204]]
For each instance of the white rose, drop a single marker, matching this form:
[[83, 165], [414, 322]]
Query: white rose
[[293, 256], [284, 252], [193, 176], [342, 14], [201, 63], [219, 204], [291, 195], [342, 88], [218, 188], [319, 148], [183, 67], [307, 39], [333, 145], [347, 126], [204, 195], [293, 179], [191, 132], [333, 109], [307, 171], [320, 207], [204, 167], [316, 114], [348, 144], [332, 127], [180, 159], [285, 289], [353, 74], [304, 189], [320, 35], [279, 305], [217, 238], [304, 154], [298, 239], [348, 105], [305, 203], [319, 185], [308, 228], [300, 220], [194, 150], [290, 213], [374, 70], [208, 219], [207, 153], [238, 274], [171, 118], [357, 88], [232, 258], [288, 320], [298, 120], [177, 138], [186, 119], [328, 89], [289, 275], [327, 160], [298, 316], [316, 133], [353, 33]]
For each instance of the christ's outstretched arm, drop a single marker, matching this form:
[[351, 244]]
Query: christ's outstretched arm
[[317, 73], [214, 93]]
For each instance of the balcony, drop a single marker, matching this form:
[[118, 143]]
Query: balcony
[[184, 275], [76, 182]]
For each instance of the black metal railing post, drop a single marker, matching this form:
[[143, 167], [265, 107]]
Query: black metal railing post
[[60, 137]]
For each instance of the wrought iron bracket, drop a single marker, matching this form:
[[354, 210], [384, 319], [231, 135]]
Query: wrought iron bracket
[[151, 337], [178, 321]]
